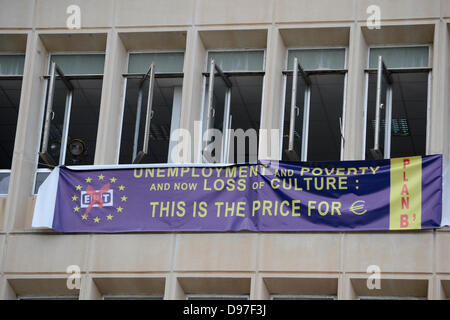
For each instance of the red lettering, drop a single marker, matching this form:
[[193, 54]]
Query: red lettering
[[405, 203], [405, 163], [404, 176], [405, 189]]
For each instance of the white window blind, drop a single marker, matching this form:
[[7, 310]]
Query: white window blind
[[318, 59], [252, 60], [166, 62], [11, 64], [76, 64], [400, 57]]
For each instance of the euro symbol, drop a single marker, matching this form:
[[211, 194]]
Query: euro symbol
[[358, 207]]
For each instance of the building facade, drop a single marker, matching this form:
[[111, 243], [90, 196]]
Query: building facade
[[99, 89]]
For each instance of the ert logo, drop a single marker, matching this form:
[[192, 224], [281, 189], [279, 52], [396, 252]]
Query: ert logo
[[87, 198]]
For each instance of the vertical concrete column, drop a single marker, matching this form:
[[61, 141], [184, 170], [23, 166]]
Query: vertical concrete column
[[261, 292], [6, 292], [347, 292], [191, 101], [355, 116], [431, 294], [438, 132], [89, 290], [111, 106], [438, 290], [173, 289], [28, 135], [272, 101]]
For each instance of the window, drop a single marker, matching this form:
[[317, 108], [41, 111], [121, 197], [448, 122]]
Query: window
[[152, 106], [315, 82], [73, 95], [397, 85], [232, 101], [11, 72]]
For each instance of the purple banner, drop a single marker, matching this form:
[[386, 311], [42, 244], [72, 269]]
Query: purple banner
[[393, 194]]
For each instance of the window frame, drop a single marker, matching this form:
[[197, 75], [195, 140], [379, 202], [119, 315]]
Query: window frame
[[286, 72], [127, 75], [69, 53], [368, 71], [264, 50], [206, 75], [46, 78], [286, 58], [50, 93], [388, 46], [130, 52], [13, 53], [69, 77]]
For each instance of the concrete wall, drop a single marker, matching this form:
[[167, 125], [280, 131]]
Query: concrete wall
[[253, 264]]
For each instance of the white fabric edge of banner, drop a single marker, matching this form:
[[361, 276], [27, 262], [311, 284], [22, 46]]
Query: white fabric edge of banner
[[445, 221], [44, 209]]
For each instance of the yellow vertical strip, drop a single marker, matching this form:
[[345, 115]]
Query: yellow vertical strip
[[406, 193]]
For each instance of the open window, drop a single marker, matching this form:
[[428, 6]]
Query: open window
[[315, 82], [11, 73], [233, 87], [72, 106], [218, 114], [397, 91], [152, 106]]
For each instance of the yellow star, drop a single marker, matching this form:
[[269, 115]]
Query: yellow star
[[76, 209], [88, 179], [122, 187], [96, 219], [78, 187], [84, 217], [101, 176], [119, 209], [74, 198], [109, 217], [113, 179], [123, 198]]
